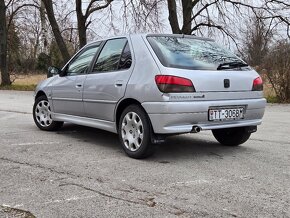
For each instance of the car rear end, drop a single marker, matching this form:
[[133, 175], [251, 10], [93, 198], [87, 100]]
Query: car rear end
[[201, 86]]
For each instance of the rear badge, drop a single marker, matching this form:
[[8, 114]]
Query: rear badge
[[226, 83], [186, 97]]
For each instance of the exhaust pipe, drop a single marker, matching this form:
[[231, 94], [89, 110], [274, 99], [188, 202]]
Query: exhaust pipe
[[251, 129], [196, 129]]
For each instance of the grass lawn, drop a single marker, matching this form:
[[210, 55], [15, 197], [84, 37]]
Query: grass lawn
[[25, 82]]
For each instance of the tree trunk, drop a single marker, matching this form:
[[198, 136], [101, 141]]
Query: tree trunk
[[82, 30], [55, 29], [186, 12], [43, 28], [5, 78], [173, 19]]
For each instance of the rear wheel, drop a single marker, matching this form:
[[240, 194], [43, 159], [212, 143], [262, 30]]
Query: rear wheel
[[231, 136], [42, 115], [135, 132]]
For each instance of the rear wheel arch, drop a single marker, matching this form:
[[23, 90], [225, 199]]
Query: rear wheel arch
[[134, 132], [121, 107]]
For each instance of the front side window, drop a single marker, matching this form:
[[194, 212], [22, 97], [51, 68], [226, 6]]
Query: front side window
[[192, 53], [81, 63], [110, 55]]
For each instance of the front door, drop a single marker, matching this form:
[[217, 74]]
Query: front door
[[67, 90], [105, 85]]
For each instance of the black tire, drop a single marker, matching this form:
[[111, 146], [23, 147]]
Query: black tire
[[145, 148], [231, 136], [43, 120]]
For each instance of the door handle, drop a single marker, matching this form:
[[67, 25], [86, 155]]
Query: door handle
[[79, 85], [119, 83]]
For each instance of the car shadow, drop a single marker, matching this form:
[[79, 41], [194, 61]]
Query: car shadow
[[90, 135], [174, 147], [187, 146]]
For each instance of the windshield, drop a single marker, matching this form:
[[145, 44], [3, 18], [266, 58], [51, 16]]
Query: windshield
[[192, 53]]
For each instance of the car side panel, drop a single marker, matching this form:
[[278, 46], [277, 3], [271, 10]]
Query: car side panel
[[102, 91], [67, 95]]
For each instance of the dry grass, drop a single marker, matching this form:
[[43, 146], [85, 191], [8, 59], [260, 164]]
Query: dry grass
[[268, 90], [30, 79], [24, 82]]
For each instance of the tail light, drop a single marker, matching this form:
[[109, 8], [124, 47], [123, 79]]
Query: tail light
[[257, 84], [169, 84]]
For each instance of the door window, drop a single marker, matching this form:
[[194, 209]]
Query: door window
[[81, 63], [109, 57]]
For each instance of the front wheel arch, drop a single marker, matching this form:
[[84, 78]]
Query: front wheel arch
[[40, 93], [46, 113]]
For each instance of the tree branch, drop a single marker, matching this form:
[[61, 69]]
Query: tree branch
[[91, 9], [14, 12], [277, 2], [8, 4], [207, 25], [203, 8]]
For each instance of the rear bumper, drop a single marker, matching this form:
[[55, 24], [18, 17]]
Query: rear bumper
[[180, 117]]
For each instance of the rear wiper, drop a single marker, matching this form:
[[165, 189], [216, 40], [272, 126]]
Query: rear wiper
[[232, 65]]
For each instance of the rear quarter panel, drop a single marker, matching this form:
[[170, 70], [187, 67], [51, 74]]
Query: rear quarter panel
[[141, 85]]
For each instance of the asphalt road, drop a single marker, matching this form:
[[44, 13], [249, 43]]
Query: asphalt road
[[82, 172]]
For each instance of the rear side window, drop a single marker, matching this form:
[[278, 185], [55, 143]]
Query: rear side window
[[126, 58], [190, 53], [110, 56]]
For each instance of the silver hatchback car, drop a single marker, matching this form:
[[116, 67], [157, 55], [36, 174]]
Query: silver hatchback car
[[148, 86]]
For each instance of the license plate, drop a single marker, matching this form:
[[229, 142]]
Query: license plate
[[220, 114]]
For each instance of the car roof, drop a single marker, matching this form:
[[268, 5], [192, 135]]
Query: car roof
[[152, 35]]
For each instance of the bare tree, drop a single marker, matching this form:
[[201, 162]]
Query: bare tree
[[142, 16], [5, 78], [56, 31], [202, 15], [277, 65], [7, 14], [83, 22], [256, 40]]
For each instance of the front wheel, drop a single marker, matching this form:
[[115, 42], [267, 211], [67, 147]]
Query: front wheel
[[135, 132], [231, 136], [42, 115]]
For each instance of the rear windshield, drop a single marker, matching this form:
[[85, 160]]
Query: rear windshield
[[190, 53]]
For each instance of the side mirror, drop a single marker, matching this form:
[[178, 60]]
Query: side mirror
[[52, 71]]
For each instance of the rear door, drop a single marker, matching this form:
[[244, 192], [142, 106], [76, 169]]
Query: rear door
[[105, 85], [67, 90]]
